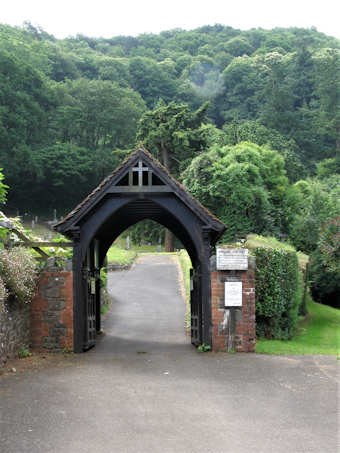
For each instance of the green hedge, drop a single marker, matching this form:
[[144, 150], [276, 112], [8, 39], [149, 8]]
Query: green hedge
[[278, 293]]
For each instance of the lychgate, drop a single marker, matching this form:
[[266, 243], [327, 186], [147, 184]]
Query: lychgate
[[140, 188]]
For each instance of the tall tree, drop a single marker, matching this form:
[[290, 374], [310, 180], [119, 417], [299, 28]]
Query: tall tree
[[244, 185], [174, 134]]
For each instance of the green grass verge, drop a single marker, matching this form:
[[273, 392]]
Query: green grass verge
[[186, 265], [319, 333], [255, 240], [117, 255]]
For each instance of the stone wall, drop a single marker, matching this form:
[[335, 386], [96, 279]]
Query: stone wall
[[14, 331], [52, 311], [234, 328]]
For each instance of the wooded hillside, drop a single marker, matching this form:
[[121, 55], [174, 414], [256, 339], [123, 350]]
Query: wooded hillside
[[69, 107]]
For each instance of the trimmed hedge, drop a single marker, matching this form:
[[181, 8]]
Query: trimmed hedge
[[278, 293]]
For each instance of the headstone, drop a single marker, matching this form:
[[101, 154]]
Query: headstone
[[127, 242], [33, 224], [233, 294], [54, 215], [50, 235], [233, 259]]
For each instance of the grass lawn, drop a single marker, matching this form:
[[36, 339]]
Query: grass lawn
[[319, 333], [117, 255], [255, 240]]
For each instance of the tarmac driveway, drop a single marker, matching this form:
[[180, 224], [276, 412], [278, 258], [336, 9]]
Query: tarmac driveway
[[144, 388]]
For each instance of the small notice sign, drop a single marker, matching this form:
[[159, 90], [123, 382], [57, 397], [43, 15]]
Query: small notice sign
[[93, 286], [233, 294], [232, 259]]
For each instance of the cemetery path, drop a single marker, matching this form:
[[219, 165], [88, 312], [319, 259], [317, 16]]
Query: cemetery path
[[145, 389], [148, 310]]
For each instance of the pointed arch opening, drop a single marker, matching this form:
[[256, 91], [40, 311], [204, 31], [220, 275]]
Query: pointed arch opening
[[140, 188]]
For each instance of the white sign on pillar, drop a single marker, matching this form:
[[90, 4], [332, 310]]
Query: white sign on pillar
[[231, 259], [233, 294]]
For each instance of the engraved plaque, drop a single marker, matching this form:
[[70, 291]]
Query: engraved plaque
[[233, 294], [232, 259]]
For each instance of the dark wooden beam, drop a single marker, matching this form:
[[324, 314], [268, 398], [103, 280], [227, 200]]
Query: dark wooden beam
[[26, 240], [46, 244], [139, 189]]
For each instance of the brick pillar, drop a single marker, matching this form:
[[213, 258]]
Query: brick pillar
[[233, 328], [52, 311]]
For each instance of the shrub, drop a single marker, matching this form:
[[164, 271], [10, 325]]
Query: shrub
[[278, 293], [18, 271], [103, 277], [325, 265]]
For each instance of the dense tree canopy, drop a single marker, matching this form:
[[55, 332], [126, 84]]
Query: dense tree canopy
[[174, 134], [248, 120], [277, 88], [245, 185]]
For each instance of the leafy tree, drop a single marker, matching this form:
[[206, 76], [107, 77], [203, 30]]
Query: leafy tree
[[236, 184], [255, 132], [151, 80], [278, 109], [3, 188], [327, 91], [97, 113], [114, 69], [174, 134], [24, 103], [238, 46], [315, 201], [65, 173], [244, 80], [328, 167], [325, 264]]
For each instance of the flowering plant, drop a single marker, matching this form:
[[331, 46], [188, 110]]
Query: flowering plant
[[18, 273], [3, 294]]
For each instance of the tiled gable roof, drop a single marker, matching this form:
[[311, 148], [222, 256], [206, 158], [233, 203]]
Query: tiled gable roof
[[178, 189]]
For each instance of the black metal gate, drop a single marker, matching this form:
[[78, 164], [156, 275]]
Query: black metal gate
[[196, 308], [89, 285], [90, 309]]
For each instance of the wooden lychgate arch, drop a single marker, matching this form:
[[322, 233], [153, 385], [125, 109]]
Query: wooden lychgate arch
[[140, 188]]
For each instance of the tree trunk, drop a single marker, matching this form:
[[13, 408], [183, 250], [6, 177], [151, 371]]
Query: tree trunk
[[169, 237], [168, 241]]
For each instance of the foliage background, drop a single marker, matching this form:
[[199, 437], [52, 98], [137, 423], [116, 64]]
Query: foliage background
[[250, 121]]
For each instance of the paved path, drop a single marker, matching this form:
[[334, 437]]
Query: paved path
[[148, 312], [144, 388]]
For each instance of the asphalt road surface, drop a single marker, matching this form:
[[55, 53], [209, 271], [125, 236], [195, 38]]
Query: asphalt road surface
[[144, 388]]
